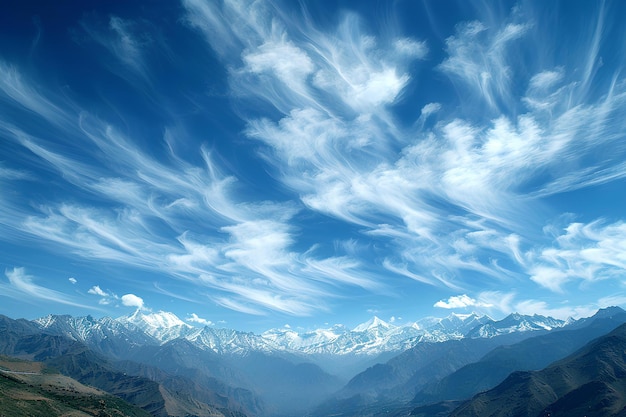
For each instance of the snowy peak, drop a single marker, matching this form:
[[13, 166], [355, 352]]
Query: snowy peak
[[374, 323], [163, 326], [228, 341], [160, 320], [454, 326], [373, 337], [516, 322]]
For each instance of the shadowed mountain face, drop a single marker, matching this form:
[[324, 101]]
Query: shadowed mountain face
[[394, 383], [590, 382], [531, 354], [283, 383]]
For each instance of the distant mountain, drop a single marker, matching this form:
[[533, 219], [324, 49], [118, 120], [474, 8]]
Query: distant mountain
[[398, 380], [377, 336], [227, 341], [516, 323], [590, 382], [414, 373], [454, 326], [372, 338], [443, 346], [530, 354]]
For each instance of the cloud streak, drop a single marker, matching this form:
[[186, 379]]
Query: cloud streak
[[452, 196], [22, 286]]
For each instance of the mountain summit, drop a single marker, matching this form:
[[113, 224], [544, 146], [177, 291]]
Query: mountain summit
[[373, 324], [163, 326]]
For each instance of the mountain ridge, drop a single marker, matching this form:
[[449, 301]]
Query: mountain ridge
[[591, 381], [372, 337]]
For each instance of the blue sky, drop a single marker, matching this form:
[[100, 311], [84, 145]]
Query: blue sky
[[256, 164]]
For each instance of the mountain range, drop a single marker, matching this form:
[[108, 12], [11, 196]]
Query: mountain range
[[370, 338], [159, 363]]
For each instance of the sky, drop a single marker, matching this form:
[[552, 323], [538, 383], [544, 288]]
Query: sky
[[256, 164]]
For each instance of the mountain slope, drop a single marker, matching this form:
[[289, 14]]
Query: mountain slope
[[107, 336], [590, 382], [396, 382], [76, 360], [531, 354], [28, 388], [283, 382]]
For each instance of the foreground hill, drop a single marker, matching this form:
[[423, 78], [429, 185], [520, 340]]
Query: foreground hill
[[590, 382], [30, 389]]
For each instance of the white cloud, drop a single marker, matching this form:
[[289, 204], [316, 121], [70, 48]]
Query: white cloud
[[95, 290], [411, 48], [582, 252], [290, 63], [72, 280], [460, 301], [106, 298], [545, 79], [193, 318], [477, 57], [430, 108], [131, 300]]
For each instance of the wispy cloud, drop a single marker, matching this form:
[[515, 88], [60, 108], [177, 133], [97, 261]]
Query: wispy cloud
[[106, 297], [96, 290], [456, 191], [477, 56], [180, 219], [22, 286], [581, 253], [123, 39], [483, 170]]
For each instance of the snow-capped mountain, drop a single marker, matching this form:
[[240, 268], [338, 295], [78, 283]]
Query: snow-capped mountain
[[516, 323], [163, 326], [372, 337], [228, 341], [454, 326], [375, 336], [315, 341], [106, 334]]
